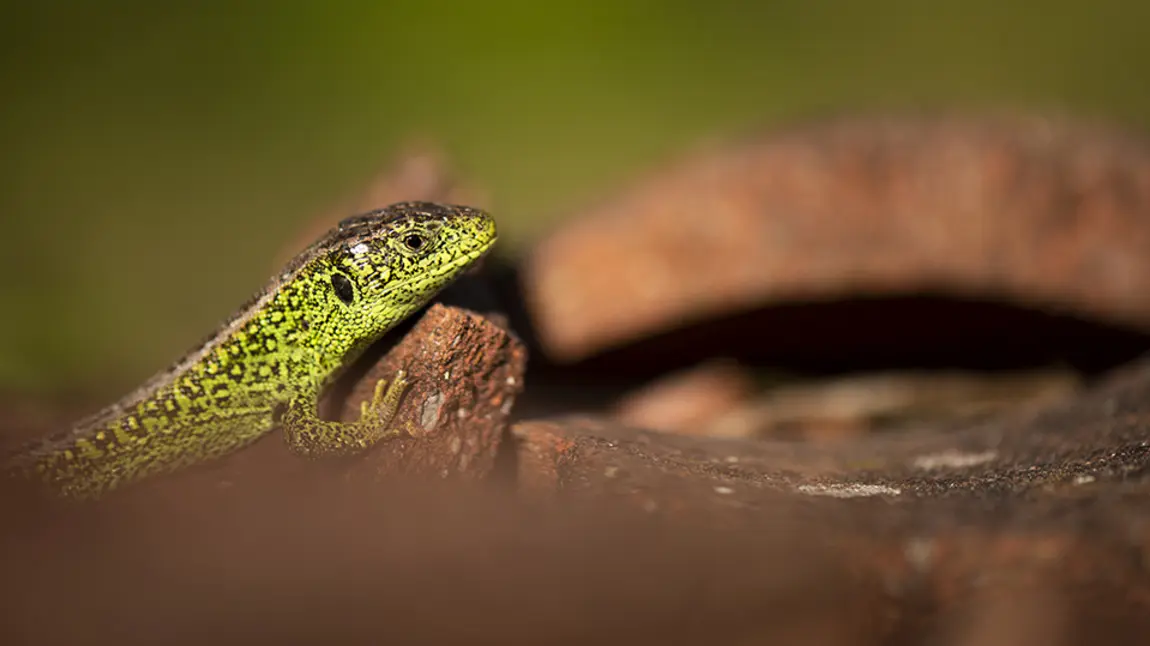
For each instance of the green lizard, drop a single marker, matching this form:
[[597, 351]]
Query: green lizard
[[269, 363]]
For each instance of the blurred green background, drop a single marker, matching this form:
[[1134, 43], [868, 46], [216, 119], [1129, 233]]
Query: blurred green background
[[156, 156]]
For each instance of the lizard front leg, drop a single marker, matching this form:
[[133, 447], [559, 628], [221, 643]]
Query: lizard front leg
[[308, 435]]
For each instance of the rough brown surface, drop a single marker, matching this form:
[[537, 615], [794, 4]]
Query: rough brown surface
[[465, 374], [631, 537], [1042, 213], [1089, 443], [721, 399], [688, 400]]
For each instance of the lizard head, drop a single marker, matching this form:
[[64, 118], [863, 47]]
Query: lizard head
[[375, 269]]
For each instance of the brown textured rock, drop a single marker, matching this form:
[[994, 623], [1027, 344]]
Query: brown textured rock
[[1087, 443], [687, 401], [832, 409], [722, 399], [465, 373], [1038, 212]]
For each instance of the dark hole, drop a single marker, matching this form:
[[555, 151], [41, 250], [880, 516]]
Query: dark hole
[[342, 287], [850, 336], [883, 333]]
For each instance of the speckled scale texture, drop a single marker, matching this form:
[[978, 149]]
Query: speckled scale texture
[[282, 348]]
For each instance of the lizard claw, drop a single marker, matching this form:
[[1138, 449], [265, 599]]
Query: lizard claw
[[385, 398]]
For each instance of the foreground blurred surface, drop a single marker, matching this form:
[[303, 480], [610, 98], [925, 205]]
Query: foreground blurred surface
[[616, 536]]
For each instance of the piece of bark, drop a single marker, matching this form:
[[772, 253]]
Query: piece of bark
[[849, 406], [687, 401], [720, 399], [1041, 213], [465, 373]]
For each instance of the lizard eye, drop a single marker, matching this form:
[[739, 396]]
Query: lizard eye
[[414, 241], [343, 289]]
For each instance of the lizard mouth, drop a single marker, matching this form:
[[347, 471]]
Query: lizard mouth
[[473, 259]]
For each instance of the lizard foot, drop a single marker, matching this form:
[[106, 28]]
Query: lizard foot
[[385, 400]]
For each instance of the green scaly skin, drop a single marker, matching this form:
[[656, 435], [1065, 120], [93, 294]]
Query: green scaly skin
[[269, 363]]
